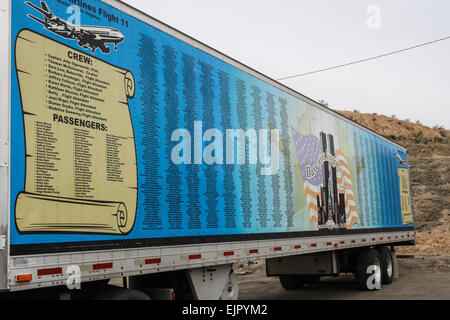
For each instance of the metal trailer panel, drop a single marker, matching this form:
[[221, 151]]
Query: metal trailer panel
[[141, 178], [50, 269], [5, 67]]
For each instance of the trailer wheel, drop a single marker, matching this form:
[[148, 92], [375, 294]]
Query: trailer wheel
[[292, 282], [117, 293], [296, 282], [365, 273], [387, 265]]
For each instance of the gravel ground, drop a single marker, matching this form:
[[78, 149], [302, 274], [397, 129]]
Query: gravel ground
[[421, 277]]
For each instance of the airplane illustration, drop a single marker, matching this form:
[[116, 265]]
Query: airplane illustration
[[89, 37]]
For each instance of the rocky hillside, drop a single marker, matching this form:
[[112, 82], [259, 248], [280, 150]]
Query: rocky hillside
[[429, 158], [395, 128]]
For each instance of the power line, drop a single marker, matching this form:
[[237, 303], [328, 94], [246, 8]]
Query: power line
[[364, 60]]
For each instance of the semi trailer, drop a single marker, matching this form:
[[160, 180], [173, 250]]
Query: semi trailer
[[130, 150]]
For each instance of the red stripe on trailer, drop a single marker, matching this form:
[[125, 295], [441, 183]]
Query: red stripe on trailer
[[381, 238], [389, 237], [313, 245], [100, 266], [253, 251], [373, 239], [342, 242], [195, 256], [277, 249], [46, 272], [228, 253], [353, 241], [363, 240], [153, 261], [297, 247], [328, 243]]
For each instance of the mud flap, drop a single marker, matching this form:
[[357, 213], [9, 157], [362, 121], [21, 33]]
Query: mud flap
[[395, 265]]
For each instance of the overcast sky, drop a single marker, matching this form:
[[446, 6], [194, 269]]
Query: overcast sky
[[287, 37]]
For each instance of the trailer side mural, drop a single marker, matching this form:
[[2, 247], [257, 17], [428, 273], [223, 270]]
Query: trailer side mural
[[123, 132]]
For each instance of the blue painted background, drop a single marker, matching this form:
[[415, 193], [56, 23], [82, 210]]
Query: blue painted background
[[177, 85]]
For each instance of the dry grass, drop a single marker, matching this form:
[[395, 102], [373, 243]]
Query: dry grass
[[391, 127]]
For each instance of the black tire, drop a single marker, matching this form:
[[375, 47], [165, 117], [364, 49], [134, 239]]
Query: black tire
[[291, 282], [311, 280], [387, 265], [297, 282], [117, 293], [366, 259]]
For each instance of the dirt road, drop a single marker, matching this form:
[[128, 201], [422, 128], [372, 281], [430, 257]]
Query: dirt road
[[423, 277]]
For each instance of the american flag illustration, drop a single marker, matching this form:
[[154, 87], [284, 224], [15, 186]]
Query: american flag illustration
[[344, 181], [309, 151]]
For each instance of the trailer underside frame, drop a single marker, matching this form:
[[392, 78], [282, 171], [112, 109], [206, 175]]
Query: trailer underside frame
[[46, 270]]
